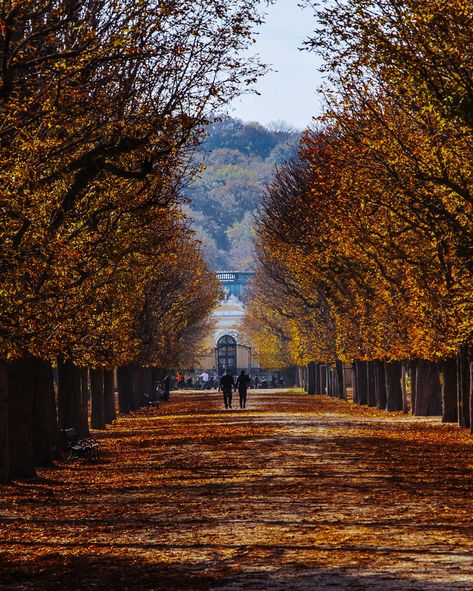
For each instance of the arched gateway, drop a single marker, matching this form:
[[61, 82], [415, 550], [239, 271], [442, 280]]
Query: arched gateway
[[226, 352]]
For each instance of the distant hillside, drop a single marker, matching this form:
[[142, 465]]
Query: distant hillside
[[240, 159]]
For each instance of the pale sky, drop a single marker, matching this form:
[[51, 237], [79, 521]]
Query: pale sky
[[290, 92]]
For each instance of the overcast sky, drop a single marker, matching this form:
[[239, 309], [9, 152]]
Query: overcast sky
[[289, 93]]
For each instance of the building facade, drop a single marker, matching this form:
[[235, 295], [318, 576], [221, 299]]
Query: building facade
[[226, 347]]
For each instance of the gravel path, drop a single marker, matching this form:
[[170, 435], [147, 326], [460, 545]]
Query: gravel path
[[294, 493]]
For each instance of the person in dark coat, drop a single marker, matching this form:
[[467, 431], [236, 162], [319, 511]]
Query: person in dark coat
[[227, 384], [243, 383]]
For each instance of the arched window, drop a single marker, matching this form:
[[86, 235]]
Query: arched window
[[226, 354]]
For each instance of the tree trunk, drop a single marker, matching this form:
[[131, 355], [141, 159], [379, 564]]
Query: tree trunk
[[316, 379], [470, 383], [323, 379], [97, 419], [394, 394], [136, 393], [84, 403], [463, 388], [428, 396], [289, 377], [413, 376], [405, 403], [69, 400], [302, 377], [146, 383], [333, 382], [334, 379], [342, 391], [449, 391], [125, 388], [109, 393], [5, 473], [371, 383], [44, 413], [311, 378], [354, 395], [361, 382], [380, 378], [141, 387], [329, 380], [349, 381], [289, 380], [21, 403]]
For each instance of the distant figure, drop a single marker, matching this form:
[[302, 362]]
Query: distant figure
[[256, 381], [189, 382], [179, 380], [242, 384], [167, 387], [205, 379], [226, 385]]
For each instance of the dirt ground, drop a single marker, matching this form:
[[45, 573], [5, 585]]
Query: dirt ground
[[294, 493]]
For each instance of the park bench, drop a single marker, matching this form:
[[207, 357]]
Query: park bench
[[80, 448], [150, 401]]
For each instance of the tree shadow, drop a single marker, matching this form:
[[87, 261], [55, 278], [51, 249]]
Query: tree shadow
[[58, 571]]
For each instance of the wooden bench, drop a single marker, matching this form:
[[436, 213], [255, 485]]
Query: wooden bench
[[80, 448]]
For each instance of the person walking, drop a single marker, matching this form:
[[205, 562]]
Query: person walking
[[179, 380], [242, 384], [204, 376], [227, 384]]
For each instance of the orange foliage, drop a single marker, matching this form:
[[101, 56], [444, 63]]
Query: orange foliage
[[374, 222], [101, 105]]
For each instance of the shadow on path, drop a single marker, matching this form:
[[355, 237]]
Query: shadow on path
[[297, 493], [81, 573]]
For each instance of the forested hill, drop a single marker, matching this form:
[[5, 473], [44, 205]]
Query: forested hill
[[240, 159]]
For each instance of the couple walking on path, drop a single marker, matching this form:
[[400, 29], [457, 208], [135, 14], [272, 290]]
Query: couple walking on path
[[228, 385]]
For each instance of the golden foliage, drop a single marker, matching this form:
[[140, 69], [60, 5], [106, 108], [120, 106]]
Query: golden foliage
[[101, 105], [374, 222]]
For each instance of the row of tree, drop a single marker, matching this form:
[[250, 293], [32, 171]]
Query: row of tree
[[102, 103], [365, 241]]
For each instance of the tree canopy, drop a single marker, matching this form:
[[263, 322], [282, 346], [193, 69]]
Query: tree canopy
[[101, 106], [368, 233]]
